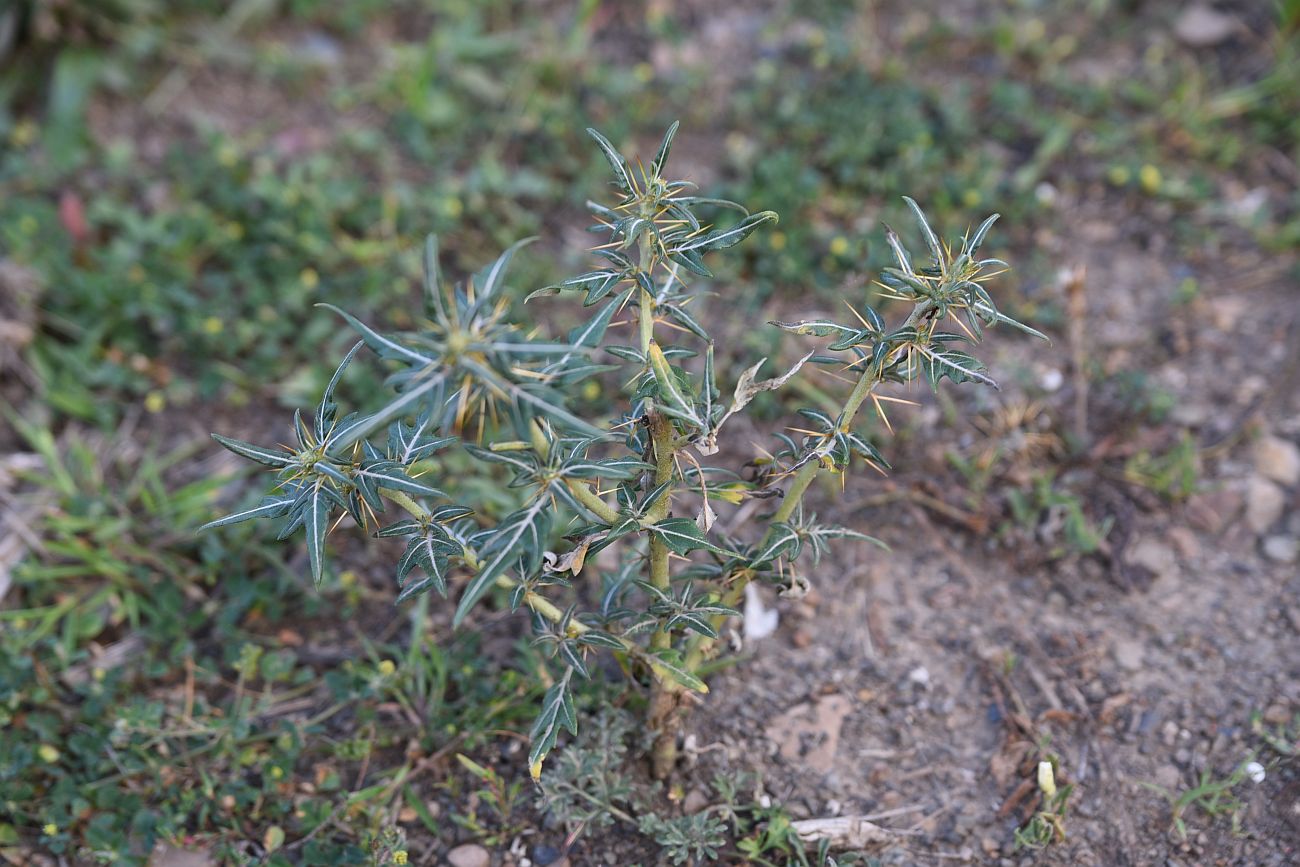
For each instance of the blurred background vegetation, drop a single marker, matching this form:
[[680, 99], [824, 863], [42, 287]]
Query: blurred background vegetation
[[181, 181]]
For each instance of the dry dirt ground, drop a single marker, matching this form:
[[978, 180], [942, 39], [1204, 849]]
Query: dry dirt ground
[[923, 684]]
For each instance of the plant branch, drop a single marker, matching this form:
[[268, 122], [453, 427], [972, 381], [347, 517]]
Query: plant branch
[[803, 479]]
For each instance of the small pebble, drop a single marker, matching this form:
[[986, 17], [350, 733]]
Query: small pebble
[[1278, 460], [1281, 549], [469, 855]]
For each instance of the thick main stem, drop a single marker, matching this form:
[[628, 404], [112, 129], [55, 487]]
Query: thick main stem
[[664, 692]]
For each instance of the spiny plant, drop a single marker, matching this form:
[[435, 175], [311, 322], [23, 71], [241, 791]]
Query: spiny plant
[[640, 480]]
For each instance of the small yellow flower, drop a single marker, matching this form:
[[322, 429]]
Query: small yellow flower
[[970, 198], [50, 829], [213, 325], [839, 246], [47, 753], [23, 134], [1118, 175], [399, 857], [309, 278], [227, 154], [1149, 177], [453, 207], [276, 772], [155, 402], [387, 667]]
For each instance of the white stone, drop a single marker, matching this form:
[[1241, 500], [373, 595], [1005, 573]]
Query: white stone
[[1264, 502], [1129, 653], [1203, 26], [1278, 459], [469, 855], [1281, 549]]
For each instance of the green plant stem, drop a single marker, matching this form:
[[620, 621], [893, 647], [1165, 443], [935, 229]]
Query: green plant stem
[[592, 501], [579, 489], [647, 302], [664, 690]]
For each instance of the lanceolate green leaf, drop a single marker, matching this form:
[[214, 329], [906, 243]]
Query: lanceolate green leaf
[[616, 161], [661, 157], [268, 509], [668, 665], [316, 519], [408, 402], [720, 239], [495, 275], [386, 346], [520, 536], [783, 539], [557, 713], [682, 536], [269, 457], [931, 241]]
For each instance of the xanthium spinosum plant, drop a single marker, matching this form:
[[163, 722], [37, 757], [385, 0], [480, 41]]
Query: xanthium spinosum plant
[[474, 377]]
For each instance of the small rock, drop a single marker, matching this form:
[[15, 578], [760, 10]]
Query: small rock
[[694, 802], [1278, 459], [1282, 549], [1129, 653], [1211, 511], [469, 855], [1203, 26], [1155, 557], [545, 855], [1185, 543], [1169, 777], [318, 49], [919, 676], [1277, 714], [1264, 502], [1169, 733], [166, 855]]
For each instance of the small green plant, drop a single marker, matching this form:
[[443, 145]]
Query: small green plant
[[502, 797], [1213, 795], [1216, 795], [589, 785], [1057, 516], [1172, 474], [638, 480], [1047, 825]]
